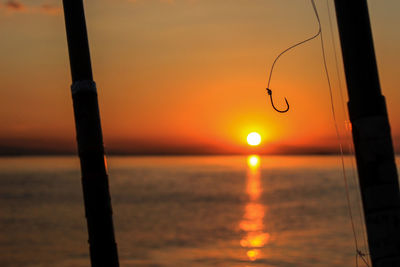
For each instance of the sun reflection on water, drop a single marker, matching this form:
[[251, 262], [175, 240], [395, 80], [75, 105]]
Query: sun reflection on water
[[254, 162], [252, 223]]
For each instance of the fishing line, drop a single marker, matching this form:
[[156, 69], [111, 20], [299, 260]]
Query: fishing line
[[336, 57], [347, 136], [337, 135], [269, 91], [358, 252]]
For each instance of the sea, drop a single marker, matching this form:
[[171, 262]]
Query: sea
[[189, 211]]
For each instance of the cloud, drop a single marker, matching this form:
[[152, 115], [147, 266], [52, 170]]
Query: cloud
[[49, 9], [15, 6], [162, 1], [171, 2]]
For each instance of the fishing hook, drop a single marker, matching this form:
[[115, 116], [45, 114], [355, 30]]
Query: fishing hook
[[272, 102]]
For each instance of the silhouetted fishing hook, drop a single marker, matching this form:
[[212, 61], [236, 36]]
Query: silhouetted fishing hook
[[319, 33], [272, 102]]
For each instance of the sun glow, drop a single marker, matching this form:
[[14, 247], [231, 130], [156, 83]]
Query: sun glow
[[253, 139]]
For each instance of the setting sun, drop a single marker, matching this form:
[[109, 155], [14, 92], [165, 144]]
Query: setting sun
[[254, 139]]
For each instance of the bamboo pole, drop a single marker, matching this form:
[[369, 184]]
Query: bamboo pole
[[376, 165], [103, 248]]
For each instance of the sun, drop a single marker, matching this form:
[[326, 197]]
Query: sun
[[253, 139]]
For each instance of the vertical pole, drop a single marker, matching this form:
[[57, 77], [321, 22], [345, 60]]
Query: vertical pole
[[103, 248], [371, 134]]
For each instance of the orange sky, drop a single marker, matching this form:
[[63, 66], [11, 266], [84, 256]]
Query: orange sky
[[182, 76]]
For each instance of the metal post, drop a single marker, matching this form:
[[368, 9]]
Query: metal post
[[371, 134], [103, 248]]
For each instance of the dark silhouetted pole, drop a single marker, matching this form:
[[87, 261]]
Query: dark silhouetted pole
[[371, 134], [103, 248]]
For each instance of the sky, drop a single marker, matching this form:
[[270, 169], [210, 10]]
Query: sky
[[185, 76]]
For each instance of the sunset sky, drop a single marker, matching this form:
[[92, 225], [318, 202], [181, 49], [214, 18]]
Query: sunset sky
[[184, 76]]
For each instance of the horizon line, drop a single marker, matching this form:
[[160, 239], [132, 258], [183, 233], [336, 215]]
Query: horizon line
[[178, 154]]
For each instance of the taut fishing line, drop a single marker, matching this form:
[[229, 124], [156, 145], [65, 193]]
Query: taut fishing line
[[359, 252]]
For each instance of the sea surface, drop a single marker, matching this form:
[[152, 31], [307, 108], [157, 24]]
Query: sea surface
[[236, 211]]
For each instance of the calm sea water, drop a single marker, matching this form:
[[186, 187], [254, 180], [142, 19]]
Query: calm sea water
[[183, 211]]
